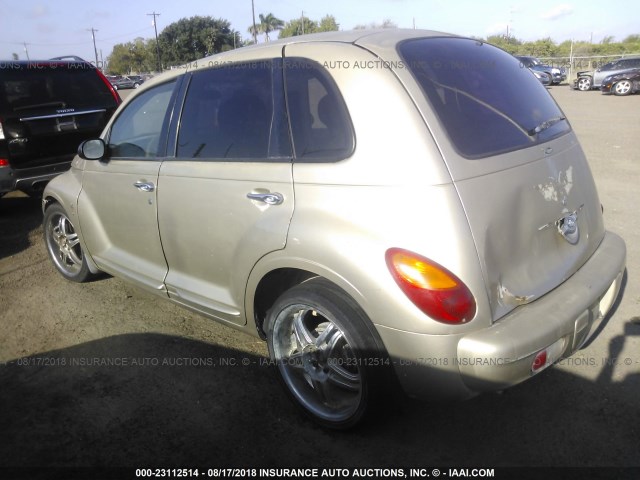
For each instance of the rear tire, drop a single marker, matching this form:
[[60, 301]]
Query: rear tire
[[328, 356]]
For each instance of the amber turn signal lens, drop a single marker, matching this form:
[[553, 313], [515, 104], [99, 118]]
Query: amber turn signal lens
[[431, 287]]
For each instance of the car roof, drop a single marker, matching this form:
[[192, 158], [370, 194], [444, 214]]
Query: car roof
[[377, 40]]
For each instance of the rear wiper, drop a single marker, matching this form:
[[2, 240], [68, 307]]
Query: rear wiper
[[40, 105], [544, 125], [481, 102]]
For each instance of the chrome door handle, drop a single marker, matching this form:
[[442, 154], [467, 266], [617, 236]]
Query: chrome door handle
[[145, 186], [274, 198]]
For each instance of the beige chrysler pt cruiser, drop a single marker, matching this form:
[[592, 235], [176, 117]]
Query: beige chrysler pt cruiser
[[385, 208]]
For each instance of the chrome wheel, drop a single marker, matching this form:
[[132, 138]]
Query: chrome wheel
[[317, 363], [63, 245], [623, 87], [584, 83], [328, 355]]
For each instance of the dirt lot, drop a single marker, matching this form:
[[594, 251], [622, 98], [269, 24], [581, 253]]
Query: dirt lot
[[191, 393]]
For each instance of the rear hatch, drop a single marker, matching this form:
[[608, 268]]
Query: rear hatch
[[48, 108], [521, 175]]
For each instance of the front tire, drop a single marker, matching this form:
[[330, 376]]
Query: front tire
[[63, 245], [327, 354], [623, 87], [584, 83]]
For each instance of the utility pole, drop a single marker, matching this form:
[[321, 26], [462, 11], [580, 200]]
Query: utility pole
[[93, 35], [26, 51], [302, 21], [155, 28], [255, 30]]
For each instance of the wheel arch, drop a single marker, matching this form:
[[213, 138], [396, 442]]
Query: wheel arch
[[54, 197], [281, 270], [273, 276]]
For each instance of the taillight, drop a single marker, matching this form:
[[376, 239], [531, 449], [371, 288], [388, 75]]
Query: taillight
[[4, 162], [431, 287], [113, 91]]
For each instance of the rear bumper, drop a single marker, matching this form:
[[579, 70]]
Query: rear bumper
[[30, 179], [494, 358]]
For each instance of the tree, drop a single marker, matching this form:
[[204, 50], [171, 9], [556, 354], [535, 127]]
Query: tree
[[328, 23], [510, 44], [268, 24], [191, 38], [386, 23], [136, 56], [15, 56], [298, 27]]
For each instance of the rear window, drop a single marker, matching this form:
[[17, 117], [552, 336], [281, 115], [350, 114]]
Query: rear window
[[484, 98], [27, 87]]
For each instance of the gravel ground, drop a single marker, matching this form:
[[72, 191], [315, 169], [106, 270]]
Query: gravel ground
[[104, 374]]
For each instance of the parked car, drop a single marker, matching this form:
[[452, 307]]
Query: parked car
[[557, 74], [136, 79], [587, 80], [120, 82], [47, 108], [622, 83], [449, 239], [543, 77]]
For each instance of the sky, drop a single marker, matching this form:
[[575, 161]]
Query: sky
[[62, 27]]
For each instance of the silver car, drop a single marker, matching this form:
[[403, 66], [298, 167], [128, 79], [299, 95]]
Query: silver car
[[385, 208], [588, 80]]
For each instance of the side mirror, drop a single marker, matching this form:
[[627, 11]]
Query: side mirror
[[92, 149]]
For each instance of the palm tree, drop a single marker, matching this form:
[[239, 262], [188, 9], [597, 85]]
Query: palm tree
[[268, 23]]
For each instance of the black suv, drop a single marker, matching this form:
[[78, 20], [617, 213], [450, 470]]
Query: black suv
[[47, 108]]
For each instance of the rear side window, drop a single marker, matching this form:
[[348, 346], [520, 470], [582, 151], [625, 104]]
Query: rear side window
[[487, 103], [28, 87], [229, 115], [320, 123]]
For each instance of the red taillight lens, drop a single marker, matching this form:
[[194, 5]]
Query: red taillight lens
[[431, 287], [4, 162], [113, 91]]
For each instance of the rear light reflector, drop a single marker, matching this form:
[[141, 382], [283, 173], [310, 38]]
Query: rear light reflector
[[548, 356], [431, 287], [4, 162], [540, 361]]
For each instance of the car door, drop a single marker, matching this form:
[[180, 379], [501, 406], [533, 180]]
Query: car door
[[226, 199], [117, 206]]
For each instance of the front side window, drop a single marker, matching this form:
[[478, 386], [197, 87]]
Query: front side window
[[485, 100], [136, 133], [320, 122]]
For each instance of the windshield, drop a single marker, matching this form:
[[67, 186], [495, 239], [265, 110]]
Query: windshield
[[486, 101]]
